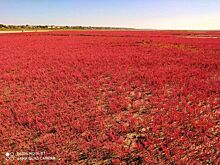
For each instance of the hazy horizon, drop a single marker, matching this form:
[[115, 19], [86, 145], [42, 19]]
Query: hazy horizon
[[149, 14]]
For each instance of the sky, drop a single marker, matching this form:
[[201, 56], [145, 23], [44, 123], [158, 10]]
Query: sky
[[143, 14]]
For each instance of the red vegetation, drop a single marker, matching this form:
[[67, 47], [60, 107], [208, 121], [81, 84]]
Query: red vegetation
[[102, 97]]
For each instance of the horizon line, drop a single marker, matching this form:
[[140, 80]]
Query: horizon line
[[121, 27]]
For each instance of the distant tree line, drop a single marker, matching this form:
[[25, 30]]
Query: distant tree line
[[53, 27]]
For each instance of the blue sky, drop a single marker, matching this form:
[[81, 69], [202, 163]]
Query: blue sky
[[159, 14]]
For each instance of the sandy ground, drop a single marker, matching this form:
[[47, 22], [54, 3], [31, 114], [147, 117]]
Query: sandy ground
[[19, 31], [201, 37]]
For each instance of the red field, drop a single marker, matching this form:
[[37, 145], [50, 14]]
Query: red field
[[111, 97]]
